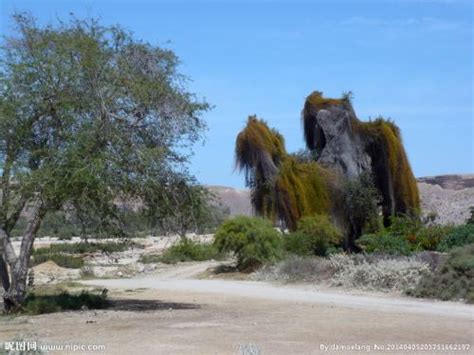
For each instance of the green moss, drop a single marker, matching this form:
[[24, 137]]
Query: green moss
[[282, 188], [385, 137], [318, 101], [257, 137]]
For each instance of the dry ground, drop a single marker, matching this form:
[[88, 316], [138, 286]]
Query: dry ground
[[172, 312]]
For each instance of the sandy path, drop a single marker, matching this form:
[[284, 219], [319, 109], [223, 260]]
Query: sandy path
[[171, 313], [270, 292], [180, 279]]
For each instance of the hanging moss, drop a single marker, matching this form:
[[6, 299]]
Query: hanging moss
[[259, 148], [314, 137], [282, 188], [319, 102], [390, 162]]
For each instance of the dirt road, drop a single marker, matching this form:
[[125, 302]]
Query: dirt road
[[172, 313]]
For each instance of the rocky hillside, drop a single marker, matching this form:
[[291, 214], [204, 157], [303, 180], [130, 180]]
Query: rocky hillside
[[448, 196], [450, 182], [238, 201]]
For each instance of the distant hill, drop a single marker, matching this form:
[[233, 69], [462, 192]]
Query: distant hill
[[449, 196], [450, 182], [237, 200]]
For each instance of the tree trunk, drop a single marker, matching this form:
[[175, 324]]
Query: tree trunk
[[4, 272], [15, 294]]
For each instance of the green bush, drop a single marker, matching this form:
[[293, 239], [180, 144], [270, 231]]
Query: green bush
[[253, 241], [86, 247], [186, 250], [361, 201], [384, 243], [63, 260], [454, 280], [404, 236], [459, 236], [404, 225], [428, 237], [313, 236], [39, 304]]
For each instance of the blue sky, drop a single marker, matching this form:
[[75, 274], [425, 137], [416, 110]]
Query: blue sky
[[410, 60]]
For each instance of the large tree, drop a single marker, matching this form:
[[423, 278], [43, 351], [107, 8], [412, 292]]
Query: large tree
[[88, 115]]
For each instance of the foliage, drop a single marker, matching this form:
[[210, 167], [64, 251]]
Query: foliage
[[283, 189], [253, 241], [313, 236], [57, 224], [458, 236], [405, 235], [63, 260], [362, 199], [384, 273], [40, 304], [87, 247], [391, 170], [454, 280], [319, 102], [429, 237], [296, 268], [116, 130], [196, 210], [89, 115], [212, 218], [65, 254], [384, 136], [384, 242], [186, 250]]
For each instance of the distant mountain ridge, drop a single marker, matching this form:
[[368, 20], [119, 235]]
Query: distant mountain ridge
[[449, 196], [451, 182]]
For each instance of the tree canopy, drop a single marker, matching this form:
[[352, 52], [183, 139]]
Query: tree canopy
[[88, 115]]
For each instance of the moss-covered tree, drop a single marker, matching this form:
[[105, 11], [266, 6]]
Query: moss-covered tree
[[285, 187]]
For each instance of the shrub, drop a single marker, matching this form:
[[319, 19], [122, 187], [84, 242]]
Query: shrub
[[405, 236], [362, 199], [253, 241], [86, 247], [429, 237], [187, 250], [454, 280], [314, 236], [296, 268], [382, 273], [39, 304], [63, 260], [384, 243], [459, 236], [404, 225], [150, 258]]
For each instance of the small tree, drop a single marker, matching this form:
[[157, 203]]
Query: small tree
[[362, 200], [315, 235], [88, 115], [252, 240]]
